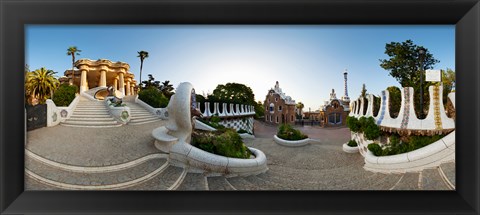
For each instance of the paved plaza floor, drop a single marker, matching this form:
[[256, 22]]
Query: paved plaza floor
[[131, 162]]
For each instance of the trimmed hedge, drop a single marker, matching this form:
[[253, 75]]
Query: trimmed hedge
[[366, 125], [226, 142], [287, 132], [397, 147], [352, 143], [64, 95]]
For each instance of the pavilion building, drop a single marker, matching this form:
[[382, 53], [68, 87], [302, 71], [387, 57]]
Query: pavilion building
[[102, 73], [279, 108]]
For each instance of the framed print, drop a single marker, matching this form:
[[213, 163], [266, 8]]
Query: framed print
[[239, 107]]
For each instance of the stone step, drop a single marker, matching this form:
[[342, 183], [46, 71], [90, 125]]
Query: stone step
[[448, 170], [90, 105], [142, 121], [78, 122], [91, 119], [166, 180], [89, 125], [92, 108], [96, 179], [241, 184], [432, 180], [409, 181], [92, 111], [143, 117], [194, 181], [90, 116], [219, 183], [141, 114]]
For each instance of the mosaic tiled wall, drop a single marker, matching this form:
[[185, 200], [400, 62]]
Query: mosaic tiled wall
[[245, 123]]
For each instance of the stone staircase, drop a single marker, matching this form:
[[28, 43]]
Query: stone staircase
[[93, 114], [139, 115], [157, 174]]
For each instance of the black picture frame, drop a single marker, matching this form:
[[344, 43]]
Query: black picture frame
[[465, 14]]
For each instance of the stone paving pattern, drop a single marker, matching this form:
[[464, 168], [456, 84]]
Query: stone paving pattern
[[321, 165]]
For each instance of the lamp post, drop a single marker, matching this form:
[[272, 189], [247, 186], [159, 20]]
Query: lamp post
[[421, 53]]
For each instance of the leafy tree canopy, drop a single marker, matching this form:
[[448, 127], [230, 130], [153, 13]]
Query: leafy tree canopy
[[233, 93], [404, 62]]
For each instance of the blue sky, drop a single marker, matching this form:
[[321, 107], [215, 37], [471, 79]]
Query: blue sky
[[307, 60]]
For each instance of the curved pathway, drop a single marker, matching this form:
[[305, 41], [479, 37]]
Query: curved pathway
[[317, 166]]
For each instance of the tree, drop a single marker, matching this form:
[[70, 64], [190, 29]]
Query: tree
[[151, 83], [395, 101], [448, 80], [299, 106], [406, 66], [259, 110], [364, 91], [73, 50], [167, 89], [41, 84], [233, 93], [404, 62], [142, 55]]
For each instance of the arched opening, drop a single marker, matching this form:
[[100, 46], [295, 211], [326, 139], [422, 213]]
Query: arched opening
[[394, 101]]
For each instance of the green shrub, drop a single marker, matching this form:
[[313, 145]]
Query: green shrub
[[225, 142], [352, 143], [415, 142], [371, 130], [153, 97], [287, 132], [353, 124], [64, 95], [365, 125], [375, 149], [213, 122]]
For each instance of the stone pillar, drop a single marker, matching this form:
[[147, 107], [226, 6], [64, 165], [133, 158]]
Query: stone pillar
[[122, 83], [103, 78], [115, 83], [127, 88], [132, 90], [70, 80], [83, 81]]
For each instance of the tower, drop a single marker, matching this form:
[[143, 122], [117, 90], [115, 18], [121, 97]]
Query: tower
[[345, 98]]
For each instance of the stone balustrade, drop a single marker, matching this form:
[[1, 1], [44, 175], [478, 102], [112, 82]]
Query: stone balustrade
[[436, 119], [233, 110]]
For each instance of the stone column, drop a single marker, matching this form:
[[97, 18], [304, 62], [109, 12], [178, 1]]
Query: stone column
[[83, 81], [103, 78], [132, 90], [115, 83], [122, 83], [70, 80], [128, 88]]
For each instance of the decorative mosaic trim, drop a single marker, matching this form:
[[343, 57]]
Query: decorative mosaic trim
[[63, 113], [436, 108], [237, 124], [406, 108], [382, 111]]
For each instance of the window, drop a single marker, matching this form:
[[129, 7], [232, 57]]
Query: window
[[276, 120], [276, 99], [334, 118], [280, 108], [291, 116], [272, 107], [270, 118]]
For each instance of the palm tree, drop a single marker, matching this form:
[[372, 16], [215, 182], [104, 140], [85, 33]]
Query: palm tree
[[41, 84], [142, 55], [167, 89], [73, 50], [300, 106]]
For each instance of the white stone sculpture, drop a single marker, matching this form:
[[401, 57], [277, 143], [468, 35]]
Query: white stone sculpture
[[174, 139]]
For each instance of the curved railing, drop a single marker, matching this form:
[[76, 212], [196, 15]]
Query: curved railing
[[233, 110], [436, 119]]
